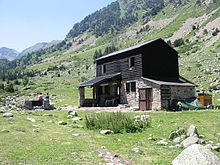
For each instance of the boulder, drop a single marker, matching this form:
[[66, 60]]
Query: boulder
[[8, 114], [196, 154], [105, 132], [192, 131], [189, 141]]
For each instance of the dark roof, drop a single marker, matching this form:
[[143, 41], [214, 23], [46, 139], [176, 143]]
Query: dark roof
[[130, 48], [180, 82], [99, 80]]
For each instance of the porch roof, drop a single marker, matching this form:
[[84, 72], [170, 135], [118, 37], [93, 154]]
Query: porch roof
[[99, 79]]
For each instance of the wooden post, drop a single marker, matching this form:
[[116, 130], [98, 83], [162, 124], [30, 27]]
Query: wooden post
[[81, 96], [94, 96]]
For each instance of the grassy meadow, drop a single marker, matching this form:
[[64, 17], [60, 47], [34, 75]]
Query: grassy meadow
[[47, 142]]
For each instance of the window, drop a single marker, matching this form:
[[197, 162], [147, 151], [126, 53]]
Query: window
[[103, 69], [131, 62], [133, 86], [130, 87]]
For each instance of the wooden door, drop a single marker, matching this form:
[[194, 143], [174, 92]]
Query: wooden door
[[145, 99]]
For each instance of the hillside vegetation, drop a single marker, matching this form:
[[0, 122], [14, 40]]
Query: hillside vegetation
[[190, 26]]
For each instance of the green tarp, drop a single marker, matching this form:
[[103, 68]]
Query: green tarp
[[192, 104]]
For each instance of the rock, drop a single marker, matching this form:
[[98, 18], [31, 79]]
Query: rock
[[173, 135], [162, 142], [8, 114], [196, 155], [201, 141], [136, 150], [69, 116], [189, 141], [181, 131], [62, 123], [73, 113], [47, 115], [177, 140], [183, 136], [216, 148], [76, 118], [105, 132], [75, 134], [208, 146], [31, 119], [192, 131], [4, 131]]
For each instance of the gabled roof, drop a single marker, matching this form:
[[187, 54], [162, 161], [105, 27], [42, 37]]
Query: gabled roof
[[99, 79], [131, 48]]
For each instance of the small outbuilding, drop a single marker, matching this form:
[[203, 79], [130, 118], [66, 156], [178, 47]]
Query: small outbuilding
[[144, 76]]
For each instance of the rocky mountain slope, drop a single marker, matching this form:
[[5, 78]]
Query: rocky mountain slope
[[190, 26], [7, 53]]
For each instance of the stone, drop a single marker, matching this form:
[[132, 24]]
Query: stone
[[192, 131], [190, 141], [216, 148], [62, 123], [8, 114], [31, 119], [4, 131], [201, 141], [208, 146], [136, 150], [105, 132], [177, 140], [76, 118], [162, 142], [183, 136], [75, 134], [69, 116], [46, 115], [196, 154], [181, 131], [173, 135], [73, 113]]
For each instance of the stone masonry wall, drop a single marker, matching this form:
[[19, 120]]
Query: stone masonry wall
[[132, 98]]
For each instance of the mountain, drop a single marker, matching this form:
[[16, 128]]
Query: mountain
[[7, 53], [38, 47], [190, 26]]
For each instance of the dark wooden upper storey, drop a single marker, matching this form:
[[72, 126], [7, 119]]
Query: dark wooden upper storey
[[154, 59]]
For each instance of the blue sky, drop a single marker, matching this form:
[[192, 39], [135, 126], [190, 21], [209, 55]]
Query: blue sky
[[24, 23]]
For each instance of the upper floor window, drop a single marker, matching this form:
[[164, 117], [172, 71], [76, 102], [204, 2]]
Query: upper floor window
[[131, 62], [103, 69]]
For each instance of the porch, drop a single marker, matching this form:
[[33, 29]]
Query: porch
[[105, 91]]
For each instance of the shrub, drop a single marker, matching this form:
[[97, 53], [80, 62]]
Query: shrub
[[118, 122], [9, 88], [178, 42]]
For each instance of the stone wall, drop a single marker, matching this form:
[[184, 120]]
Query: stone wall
[[132, 98], [176, 93]]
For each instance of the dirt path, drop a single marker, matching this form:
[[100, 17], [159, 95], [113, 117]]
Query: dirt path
[[112, 158]]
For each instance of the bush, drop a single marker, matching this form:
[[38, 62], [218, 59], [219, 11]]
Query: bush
[[118, 122], [9, 88], [178, 42]]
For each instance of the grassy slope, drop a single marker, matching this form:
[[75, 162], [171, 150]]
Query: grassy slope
[[55, 144]]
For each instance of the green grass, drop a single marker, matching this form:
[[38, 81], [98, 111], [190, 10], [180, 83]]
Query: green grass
[[55, 144]]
